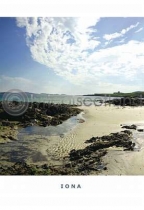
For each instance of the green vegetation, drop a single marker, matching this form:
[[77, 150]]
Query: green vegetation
[[119, 94]]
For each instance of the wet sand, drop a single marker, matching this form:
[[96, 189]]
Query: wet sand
[[101, 121]]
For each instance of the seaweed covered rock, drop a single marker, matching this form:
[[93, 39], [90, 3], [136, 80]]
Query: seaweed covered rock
[[42, 114], [129, 126], [90, 158]]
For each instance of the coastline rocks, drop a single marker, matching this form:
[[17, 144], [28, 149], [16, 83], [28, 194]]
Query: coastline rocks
[[90, 158], [127, 132], [37, 114], [22, 168], [93, 139], [140, 130], [13, 138], [79, 162], [42, 114], [5, 123], [127, 101], [129, 126]]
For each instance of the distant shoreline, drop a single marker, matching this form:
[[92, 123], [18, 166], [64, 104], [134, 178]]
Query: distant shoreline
[[119, 94]]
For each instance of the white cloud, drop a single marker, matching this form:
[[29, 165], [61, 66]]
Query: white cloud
[[120, 34], [122, 40], [140, 29], [112, 36], [48, 40], [108, 87], [8, 83]]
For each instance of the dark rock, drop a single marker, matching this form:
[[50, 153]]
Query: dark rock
[[90, 158], [127, 101], [127, 132], [42, 114], [93, 139], [6, 123], [130, 126], [67, 165], [140, 130], [12, 138], [4, 136], [45, 166]]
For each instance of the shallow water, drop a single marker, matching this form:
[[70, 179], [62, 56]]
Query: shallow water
[[33, 144], [32, 141], [51, 130]]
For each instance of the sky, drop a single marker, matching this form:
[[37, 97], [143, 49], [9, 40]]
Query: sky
[[72, 55]]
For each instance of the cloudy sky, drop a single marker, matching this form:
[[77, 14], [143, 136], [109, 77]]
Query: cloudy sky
[[72, 55]]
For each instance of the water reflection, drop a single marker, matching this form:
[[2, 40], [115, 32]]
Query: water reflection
[[31, 140]]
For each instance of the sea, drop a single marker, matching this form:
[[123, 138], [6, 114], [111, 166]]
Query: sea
[[32, 138], [59, 99]]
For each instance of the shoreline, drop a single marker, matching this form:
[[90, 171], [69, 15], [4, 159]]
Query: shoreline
[[101, 121], [36, 114], [98, 121]]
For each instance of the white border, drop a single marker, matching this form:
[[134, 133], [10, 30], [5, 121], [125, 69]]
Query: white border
[[71, 8], [97, 192], [105, 192]]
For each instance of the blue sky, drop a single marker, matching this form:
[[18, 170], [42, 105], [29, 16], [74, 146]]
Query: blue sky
[[77, 55]]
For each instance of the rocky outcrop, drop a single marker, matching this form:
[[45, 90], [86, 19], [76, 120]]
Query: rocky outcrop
[[83, 161], [79, 162], [22, 168], [42, 114], [129, 126], [127, 101]]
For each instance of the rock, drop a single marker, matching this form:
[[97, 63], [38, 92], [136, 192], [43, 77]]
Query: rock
[[127, 101], [12, 138], [42, 114], [90, 158], [130, 126], [4, 136], [45, 166], [140, 130], [6, 123], [67, 165], [81, 120], [127, 131], [93, 139]]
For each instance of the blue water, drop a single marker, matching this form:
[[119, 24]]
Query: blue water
[[29, 148], [65, 99], [52, 130]]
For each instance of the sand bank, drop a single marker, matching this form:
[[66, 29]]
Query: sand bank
[[101, 121]]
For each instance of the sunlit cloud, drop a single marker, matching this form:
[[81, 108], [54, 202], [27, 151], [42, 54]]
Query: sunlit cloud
[[119, 34], [66, 47]]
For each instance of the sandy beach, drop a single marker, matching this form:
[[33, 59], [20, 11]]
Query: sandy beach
[[40, 148], [100, 121]]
